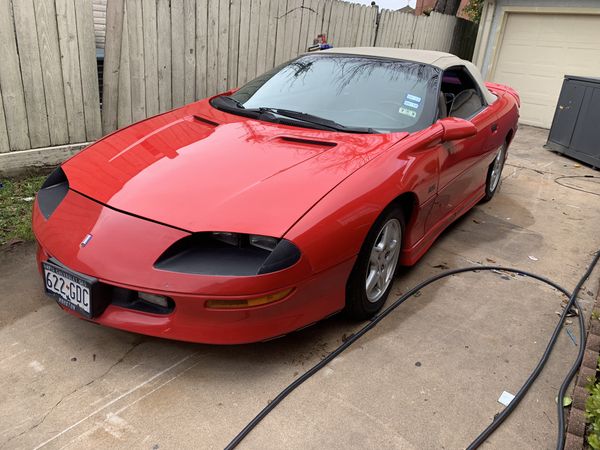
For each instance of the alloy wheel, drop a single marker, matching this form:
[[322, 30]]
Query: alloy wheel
[[497, 170], [383, 260]]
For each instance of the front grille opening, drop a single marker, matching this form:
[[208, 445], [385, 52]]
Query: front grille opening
[[127, 298]]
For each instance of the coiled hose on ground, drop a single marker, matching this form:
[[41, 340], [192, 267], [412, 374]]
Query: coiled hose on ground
[[499, 419]]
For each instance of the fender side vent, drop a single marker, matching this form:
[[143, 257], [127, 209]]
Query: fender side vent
[[206, 121], [314, 142]]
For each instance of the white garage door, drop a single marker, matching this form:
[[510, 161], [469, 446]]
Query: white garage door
[[538, 50]]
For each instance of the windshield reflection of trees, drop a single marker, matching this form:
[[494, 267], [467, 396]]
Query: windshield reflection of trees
[[352, 70], [351, 150]]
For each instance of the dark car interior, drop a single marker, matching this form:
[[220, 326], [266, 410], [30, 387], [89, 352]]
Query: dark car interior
[[459, 95]]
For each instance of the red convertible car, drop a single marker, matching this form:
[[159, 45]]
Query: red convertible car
[[264, 209]]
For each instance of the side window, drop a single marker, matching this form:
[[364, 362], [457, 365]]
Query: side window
[[460, 93]]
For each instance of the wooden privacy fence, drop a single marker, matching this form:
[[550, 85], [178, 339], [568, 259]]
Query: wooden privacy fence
[[48, 76], [434, 32], [161, 54]]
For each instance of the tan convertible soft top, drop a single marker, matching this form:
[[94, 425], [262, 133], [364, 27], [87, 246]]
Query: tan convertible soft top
[[433, 58]]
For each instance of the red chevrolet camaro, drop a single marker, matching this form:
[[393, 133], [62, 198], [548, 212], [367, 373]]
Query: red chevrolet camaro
[[262, 210]]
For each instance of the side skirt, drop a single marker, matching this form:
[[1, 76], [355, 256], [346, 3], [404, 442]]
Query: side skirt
[[410, 256]]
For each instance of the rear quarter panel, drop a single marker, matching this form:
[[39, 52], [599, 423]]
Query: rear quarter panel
[[506, 109]]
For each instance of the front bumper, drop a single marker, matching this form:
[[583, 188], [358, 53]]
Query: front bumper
[[122, 253]]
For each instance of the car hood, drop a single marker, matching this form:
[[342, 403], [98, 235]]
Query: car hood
[[200, 169]]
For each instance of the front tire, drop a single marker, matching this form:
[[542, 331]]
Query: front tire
[[494, 175], [372, 277]]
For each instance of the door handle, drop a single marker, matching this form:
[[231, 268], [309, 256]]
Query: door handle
[[494, 127]]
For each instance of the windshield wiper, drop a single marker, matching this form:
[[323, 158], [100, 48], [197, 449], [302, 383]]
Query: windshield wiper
[[230, 101], [316, 120], [233, 105]]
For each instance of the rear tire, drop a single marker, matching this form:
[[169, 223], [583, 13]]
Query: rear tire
[[372, 277], [494, 175]]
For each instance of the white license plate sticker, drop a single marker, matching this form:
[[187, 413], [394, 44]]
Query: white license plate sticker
[[69, 289]]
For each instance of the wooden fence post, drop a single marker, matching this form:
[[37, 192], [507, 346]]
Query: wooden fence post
[[112, 59], [10, 83], [89, 69]]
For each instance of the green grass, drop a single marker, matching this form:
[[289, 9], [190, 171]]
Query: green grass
[[15, 206]]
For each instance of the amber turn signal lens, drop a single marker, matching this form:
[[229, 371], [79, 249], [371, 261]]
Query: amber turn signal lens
[[248, 303]]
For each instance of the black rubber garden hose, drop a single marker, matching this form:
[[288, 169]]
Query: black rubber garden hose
[[582, 341], [518, 397], [536, 371], [577, 188]]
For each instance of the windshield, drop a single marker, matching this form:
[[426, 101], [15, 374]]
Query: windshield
[[354, 91]]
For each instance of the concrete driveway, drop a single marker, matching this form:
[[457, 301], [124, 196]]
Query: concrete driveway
[[428, 376]]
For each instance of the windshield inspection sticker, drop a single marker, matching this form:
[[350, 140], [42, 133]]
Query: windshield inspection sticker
[[413, 98], [411, 104], [407, 112]]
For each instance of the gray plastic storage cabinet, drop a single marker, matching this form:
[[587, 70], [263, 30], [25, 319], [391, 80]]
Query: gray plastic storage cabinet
[[575, 128]]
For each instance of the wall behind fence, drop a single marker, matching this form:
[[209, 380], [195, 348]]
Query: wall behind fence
[[99, 12], [48, 75]]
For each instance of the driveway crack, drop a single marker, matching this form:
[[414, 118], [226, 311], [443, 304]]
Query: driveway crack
[[133, 346]]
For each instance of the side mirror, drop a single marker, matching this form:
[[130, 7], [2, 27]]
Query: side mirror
[[455, 128]]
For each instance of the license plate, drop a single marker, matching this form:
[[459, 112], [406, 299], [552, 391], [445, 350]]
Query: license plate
[[69, 289]]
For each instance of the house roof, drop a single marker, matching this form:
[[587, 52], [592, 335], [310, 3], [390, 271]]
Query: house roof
[[407, 9], [441, 60]]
